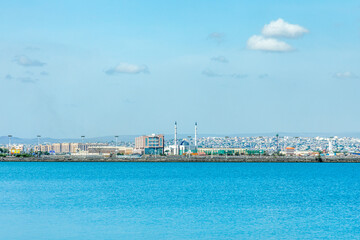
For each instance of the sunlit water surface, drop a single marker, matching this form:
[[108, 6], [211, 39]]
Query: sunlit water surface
[[179, 201]]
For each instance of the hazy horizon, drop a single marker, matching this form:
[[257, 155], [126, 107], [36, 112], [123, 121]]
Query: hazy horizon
[[169, 136]]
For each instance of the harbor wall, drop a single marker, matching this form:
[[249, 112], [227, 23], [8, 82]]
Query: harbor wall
[[351, 159]]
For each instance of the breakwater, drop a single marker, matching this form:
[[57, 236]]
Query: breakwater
[[329, 159]]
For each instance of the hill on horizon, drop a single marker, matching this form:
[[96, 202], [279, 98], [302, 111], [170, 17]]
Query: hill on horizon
[[4, 140]]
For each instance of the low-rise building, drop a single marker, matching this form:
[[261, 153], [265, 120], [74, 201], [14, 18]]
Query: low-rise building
[[107, 150], [151, 144], [222, 151], [290, 151], [16, 149]]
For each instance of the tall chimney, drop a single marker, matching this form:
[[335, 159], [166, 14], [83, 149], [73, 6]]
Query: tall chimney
[[175, 137], [195, 134]]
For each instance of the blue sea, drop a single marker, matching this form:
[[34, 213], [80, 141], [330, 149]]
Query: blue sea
[[179, 201]]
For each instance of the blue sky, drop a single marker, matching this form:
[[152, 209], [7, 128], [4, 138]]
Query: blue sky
[[98, 68]]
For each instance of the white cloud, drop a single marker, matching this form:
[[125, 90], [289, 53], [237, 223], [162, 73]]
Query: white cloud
[[262, 76], [27, 62], [345, 75], [267, 44], [239, 76], [216, 36], [210, 73], [280, 28], [21, 79], [27, 80], [31, 48], [128, 69], [221, 59]]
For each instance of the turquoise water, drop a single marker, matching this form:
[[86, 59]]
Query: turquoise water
[[179, 201]]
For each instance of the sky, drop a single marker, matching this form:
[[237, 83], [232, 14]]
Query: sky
[[101, 68]]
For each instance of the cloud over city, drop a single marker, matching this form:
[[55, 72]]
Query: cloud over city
[[127, 68], [264, 75], [269, 42], [212, 74], [216, 36], [261, 43], [27, 62], [220, 59], [21, 79], [280, 28], [345, 75], [27, 80]]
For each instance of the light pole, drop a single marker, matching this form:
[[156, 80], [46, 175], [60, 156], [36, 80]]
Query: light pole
[[82, 142], [189, 145], [296, 144], [116, 141], [38, 152], [260, 144], [226, 138], [154, 145], [9, 147]]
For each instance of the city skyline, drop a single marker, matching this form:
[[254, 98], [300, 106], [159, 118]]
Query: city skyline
[[169, 137], [132, 68], [150, 144]]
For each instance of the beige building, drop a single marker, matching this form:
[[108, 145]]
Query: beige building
[[74, 147], [107, 150], [45, 148], [65, 147], [86, 146], [59, 148], [56, 147]]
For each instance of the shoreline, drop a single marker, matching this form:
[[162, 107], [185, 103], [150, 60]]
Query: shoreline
[[264, 159]]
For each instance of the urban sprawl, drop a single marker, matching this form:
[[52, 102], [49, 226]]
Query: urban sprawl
[[156, 144]]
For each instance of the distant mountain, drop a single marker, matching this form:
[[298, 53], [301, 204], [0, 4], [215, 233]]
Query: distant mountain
[[16, 140], [131, 138]]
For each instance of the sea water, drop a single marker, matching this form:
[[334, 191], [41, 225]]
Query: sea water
[[179, 201]]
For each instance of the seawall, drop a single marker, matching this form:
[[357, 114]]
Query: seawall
[[332, 159]]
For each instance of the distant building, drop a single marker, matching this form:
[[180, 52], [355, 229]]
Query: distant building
[[16, 149], [56, 147], [107, 150], [185, 146], [74, 147], [182, 148], [65, 147], [290, 151], [86, 146], [229, 151], [45, 148], [152, 144]]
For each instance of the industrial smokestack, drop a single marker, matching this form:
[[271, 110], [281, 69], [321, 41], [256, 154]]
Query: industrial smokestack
[[175, 140], [175, 137], [195, 134]]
